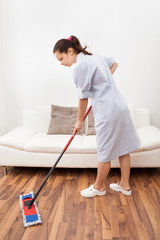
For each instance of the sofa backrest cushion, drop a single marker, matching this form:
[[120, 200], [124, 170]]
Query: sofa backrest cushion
[[38, 119], [142, 116], [42, 118]]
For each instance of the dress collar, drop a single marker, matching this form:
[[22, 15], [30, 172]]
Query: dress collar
[[79, 56]]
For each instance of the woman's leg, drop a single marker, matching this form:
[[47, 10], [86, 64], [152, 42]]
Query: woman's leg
[[102, 173], [125, 171]]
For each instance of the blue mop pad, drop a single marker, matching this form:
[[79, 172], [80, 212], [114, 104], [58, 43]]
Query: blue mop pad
[[30, 216]]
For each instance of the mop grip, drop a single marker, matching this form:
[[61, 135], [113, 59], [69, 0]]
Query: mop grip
[[71, 138]]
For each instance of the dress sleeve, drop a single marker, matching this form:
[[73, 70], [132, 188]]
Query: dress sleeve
[[109, 61], [82, 76]]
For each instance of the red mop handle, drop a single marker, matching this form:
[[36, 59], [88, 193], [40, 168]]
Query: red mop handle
[[30, 202], [70, 140]]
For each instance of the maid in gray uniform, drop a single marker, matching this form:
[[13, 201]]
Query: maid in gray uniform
[[116, 135]]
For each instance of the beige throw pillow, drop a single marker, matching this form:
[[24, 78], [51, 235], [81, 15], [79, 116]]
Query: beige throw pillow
[[63, 120], [91, 127]]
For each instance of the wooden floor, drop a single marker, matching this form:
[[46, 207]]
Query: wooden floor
[[67, 215]]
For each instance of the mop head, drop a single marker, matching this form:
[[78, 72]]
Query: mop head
[[30, 216]]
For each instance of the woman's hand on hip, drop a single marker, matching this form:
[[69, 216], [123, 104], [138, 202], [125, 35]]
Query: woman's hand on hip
[[78, 126]]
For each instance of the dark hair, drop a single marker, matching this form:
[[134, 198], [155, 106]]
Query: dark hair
[[63, 44]]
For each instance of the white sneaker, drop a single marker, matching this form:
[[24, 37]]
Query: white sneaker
[[91, 192], [116, 187]]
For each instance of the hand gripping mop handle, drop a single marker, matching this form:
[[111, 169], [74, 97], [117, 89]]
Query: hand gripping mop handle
[[70, 140], [65, 148]]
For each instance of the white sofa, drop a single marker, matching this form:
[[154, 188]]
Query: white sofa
[[29, 145]]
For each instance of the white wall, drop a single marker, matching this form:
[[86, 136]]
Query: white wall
[[129, 31], [3, 116]]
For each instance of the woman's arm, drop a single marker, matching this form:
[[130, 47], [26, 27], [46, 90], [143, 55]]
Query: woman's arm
[[114, 66], [82, 108], [81, 112]]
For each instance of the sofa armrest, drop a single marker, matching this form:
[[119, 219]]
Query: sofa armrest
[[17, 137]]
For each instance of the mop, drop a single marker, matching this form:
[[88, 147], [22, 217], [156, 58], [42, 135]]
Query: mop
[[30, 212]]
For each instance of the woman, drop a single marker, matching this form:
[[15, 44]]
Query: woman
[[115, 132]]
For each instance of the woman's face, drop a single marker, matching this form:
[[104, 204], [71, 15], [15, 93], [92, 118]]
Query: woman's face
[[66, 59]]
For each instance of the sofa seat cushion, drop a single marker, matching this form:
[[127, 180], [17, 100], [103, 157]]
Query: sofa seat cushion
[[150, 137], [44, 143], [24, 138], [89, 144], [17, 137]]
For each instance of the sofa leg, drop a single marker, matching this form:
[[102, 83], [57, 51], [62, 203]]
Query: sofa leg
[[4, 170]]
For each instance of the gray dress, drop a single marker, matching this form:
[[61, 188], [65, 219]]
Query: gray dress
[[115, 132]]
